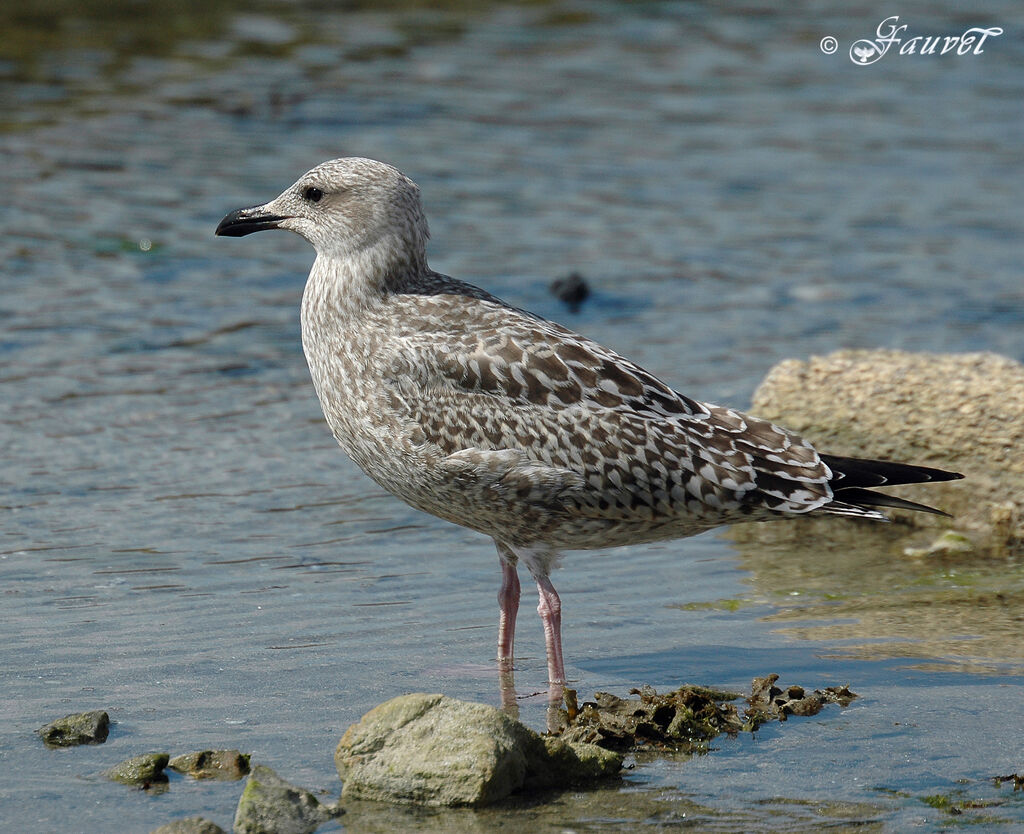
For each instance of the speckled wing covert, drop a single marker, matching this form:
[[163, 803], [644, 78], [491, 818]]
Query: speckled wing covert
[[478, 376]]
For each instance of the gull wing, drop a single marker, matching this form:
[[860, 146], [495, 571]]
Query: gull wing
[[491, 378]]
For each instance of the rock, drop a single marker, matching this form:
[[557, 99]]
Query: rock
[[270, 805], [77, 728], [571, 289], [439, 751], [769, 702], [686, 719], [852, 581], [683, 719], [954, 411], [224, 765], [574, 764], [1017, 779], [144, 770], [949, 543], [189, 825]]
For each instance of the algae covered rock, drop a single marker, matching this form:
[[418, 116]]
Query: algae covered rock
[[439, 751], [769, 702], [687, 718], [571, 764], [189, 825], [144, 770], [77, 728], [223, 765], [681, 720], [270, 805]]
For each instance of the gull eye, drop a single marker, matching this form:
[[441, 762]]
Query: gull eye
[[313, 194]]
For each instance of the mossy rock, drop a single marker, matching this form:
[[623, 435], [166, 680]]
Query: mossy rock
[[144, 770], [223, 765], [77, 728]]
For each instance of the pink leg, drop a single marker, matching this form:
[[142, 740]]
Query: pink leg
[[508, 604], [550, 610]]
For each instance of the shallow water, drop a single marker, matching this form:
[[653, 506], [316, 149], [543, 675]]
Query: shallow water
[[182, 543]]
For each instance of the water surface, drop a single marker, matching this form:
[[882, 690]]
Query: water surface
[[182, 543]]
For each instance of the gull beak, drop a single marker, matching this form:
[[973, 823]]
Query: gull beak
[[248, 220]]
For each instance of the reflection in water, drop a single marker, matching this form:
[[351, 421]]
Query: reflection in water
[[510, 699], [962, 609]]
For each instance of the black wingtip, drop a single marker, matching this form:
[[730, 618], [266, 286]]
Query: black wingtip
[[854, 479], [861, 497], [865, 472]]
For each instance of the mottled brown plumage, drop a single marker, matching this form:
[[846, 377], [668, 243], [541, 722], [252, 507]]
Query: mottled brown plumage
[[498, 420]]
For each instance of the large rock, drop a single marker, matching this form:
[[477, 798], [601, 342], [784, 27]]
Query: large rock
[[436, 750], [954, 411], [270, 805], [924, 586]]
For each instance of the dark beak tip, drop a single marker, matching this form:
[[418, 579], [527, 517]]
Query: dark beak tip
[[224, 228], [246, 221]]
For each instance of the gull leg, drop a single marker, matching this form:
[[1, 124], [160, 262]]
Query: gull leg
[[550, 610], [508, 604], [507, 689]]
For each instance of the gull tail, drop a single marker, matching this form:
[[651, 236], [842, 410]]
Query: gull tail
[[853, 479]]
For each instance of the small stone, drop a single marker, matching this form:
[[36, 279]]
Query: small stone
[[223, 765], [144, 770], [189, 825], [811, 705], [841, 695], [950, 543], [270, 805], [77, 728]]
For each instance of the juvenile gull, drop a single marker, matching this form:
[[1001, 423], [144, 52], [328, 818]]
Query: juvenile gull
[[501, 421]]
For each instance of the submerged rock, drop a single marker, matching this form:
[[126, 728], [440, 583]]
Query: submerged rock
[[572, 289], [439, 751], [224, 765], [769, 702], [949, 543], [189, 825], [270, 805], [77, 728], [573, 764], [1016, 779], [144, 770]]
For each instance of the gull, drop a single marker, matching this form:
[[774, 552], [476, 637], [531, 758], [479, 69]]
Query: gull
[[501, 421]]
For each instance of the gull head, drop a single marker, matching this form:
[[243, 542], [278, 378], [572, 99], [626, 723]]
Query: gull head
[[347, 208]]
